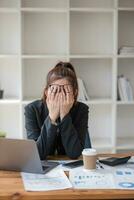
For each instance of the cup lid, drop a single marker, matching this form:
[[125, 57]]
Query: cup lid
[[89, 151]]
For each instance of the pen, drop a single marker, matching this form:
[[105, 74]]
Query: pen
[[100, 164]]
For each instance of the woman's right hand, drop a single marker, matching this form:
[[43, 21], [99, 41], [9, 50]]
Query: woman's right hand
[[52, 101]]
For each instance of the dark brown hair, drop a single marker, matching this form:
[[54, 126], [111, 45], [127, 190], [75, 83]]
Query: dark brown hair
[[62, 70]]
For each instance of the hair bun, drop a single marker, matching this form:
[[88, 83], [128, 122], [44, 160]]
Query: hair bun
[[67, 65]]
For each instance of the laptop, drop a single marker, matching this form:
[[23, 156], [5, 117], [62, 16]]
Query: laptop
[[22, 155]]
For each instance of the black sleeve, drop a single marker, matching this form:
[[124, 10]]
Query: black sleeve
[[44, 137], [73, 137]]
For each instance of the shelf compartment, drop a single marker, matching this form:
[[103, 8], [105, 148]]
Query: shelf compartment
[[125, 127], [9, 3], [44, 4], [125, 143], [100, 125], [126, 29], [9, 33], [91, 3], [10, 120], [10, 78], [101, 143], [44, 33], [34, 76], [96, 87], [126, 4], [96, 30]]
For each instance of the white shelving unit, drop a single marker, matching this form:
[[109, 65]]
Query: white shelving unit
[[35, 35]]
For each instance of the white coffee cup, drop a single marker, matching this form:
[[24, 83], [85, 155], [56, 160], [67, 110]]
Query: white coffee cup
[[89, 158]]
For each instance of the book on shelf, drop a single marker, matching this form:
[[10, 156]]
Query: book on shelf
[[126, 50], [125, 92], [82, 94]]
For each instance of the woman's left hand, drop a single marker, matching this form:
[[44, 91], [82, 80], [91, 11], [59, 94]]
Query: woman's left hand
[[66, 102]]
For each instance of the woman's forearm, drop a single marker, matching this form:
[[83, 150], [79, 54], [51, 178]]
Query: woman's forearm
[[46, 140], [72, 143]]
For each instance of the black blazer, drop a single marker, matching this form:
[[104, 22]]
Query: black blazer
[[68, 137]]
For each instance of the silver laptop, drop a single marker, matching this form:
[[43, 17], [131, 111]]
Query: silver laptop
[[22, 155]]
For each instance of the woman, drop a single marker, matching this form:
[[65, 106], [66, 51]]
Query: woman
[[57, 122]]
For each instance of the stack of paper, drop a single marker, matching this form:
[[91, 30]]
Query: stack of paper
[[125, 92], [126, 50], [82, 95]]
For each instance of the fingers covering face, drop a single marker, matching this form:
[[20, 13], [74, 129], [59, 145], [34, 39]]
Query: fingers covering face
[[52, 92], [65, 92]]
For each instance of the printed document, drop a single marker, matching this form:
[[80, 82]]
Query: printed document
[[91, 179], [118, 178], [53, 180]]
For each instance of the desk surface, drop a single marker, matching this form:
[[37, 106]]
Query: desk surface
[[11, 187]]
